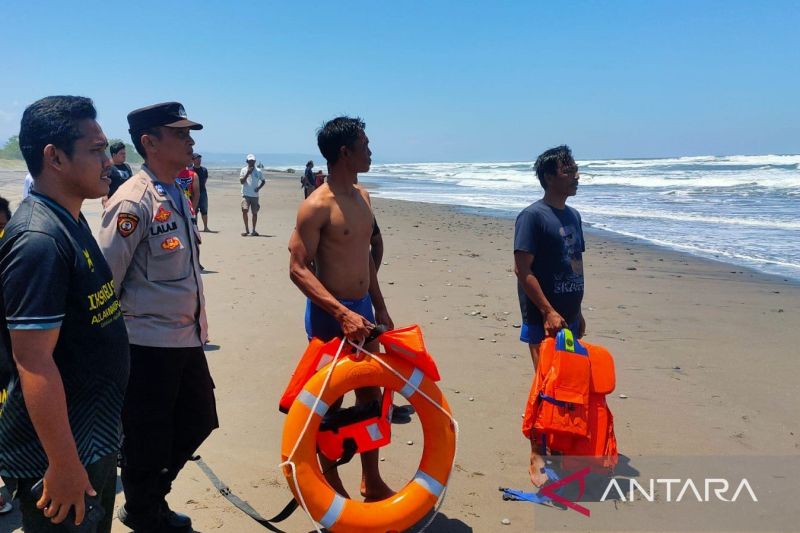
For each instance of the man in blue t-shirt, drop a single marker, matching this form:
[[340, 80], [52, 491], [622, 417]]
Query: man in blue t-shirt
[[548, 248], [64, 340], [548, 261]]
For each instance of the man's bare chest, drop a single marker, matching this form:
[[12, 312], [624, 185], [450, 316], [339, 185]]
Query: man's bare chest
[[350, 222]]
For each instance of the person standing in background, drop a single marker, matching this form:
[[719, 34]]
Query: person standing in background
[[307, 181], [27, 185], [189, 184], [202, 174], [120, 170], [252, 181], [319, 179]]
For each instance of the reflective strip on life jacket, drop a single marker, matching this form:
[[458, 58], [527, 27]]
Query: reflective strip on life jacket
[[374, 432], [401, 350]]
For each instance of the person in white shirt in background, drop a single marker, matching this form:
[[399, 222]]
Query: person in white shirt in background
[[252, 180], [26, 185]]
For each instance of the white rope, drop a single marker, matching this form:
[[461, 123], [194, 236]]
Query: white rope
[[359, 348], [438, 406]]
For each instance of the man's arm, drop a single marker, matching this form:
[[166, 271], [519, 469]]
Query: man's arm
[[381, 314], [376, 246], [65, 480], [553, 321], [262, 181], [244, 174], [302, 250]]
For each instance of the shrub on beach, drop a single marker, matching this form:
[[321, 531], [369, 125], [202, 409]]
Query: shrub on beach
[[11, 149]]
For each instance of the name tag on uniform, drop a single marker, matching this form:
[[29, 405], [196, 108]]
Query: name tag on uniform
[[160, 229]]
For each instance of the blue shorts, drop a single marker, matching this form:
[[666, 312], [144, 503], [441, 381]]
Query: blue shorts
[[534, 333], [323, 326]]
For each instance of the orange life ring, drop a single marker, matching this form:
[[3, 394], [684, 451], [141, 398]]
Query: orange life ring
[[413, 501]]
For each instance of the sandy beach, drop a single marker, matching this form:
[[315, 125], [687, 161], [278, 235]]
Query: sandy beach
[[706, 357]]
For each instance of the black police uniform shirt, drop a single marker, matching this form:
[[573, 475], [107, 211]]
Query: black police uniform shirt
[[555, 238], [54, 275]]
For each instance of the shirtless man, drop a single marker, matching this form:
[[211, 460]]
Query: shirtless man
[[333, 230]]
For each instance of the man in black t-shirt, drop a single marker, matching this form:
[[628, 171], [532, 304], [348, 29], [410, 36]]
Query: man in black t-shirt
[[548, 261], [202, 173], [63, 324], [548, 248], [120, 170]]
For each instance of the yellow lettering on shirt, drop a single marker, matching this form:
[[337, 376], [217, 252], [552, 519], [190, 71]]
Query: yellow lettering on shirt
[[102, 296], [110, 312]]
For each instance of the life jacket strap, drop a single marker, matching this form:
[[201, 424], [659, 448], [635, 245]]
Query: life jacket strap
[[559, 403]]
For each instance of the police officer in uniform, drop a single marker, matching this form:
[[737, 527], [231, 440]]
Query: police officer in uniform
[[151, 246]]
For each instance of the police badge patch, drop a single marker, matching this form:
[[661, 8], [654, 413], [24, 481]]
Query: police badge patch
[[126, 223], [162, 215]]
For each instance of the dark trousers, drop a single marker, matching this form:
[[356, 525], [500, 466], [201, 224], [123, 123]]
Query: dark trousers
[[169, 411], [102, 476]]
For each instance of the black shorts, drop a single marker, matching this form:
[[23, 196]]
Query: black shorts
[[169, 406], [202, 204]]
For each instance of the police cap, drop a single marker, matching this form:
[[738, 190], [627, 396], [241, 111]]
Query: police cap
[[169, 114]]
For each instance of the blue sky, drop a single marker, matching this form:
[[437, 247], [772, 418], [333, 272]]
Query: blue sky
[[435, 81]]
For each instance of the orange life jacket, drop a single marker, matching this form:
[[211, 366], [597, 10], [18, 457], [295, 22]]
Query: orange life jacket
[[369, 427], [318, 354], [567, 408]]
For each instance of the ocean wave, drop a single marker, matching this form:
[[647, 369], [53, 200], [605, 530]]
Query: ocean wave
[[704, 250], [738, 209], [648, 214], [736, 161], [700, 180], [770, 172]]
